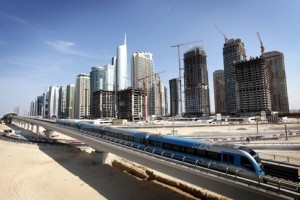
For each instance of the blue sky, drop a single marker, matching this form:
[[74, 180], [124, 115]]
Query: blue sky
[[45, 43]]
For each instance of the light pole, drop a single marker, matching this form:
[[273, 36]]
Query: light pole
[[286, 136], [257, 118], [285, 127]]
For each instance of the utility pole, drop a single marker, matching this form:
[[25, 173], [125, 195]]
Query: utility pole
[[181, 78]]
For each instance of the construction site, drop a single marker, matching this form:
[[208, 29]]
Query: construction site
[[253, 88], [132, 104]]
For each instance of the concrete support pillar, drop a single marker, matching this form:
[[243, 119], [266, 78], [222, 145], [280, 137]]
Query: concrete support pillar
[[37, 129], [27, 126], [32, 127], [99, 157], [48, 133]]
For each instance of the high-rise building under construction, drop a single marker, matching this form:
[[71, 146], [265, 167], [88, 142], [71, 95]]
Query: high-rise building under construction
[[278, 86], [253, 88], [196, 82], [233, 51]]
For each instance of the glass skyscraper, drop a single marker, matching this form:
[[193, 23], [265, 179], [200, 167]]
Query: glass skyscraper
[[233, 51]]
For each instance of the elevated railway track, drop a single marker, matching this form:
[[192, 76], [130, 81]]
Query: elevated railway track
[[269, 188]]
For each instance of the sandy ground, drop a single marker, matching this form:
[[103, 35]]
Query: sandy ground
[[30, 171]]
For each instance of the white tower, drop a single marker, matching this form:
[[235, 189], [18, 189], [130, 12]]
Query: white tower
[[121, 69]]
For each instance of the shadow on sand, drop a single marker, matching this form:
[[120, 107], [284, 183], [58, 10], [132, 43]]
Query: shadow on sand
[[110, 182]]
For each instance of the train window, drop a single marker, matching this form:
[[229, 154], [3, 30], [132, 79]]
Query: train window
[[201, 152], [189, 150], [246, 163], [228, 158], [176, 148], [214, 155], [155, 144], [128, 137], [166, 146]]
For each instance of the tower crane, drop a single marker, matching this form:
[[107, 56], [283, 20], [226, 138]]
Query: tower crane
[[225, 37], [180, 69], [262, 48]]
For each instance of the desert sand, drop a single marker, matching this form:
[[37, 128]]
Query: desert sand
[[31, 171]]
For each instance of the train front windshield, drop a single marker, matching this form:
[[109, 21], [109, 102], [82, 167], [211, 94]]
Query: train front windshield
[[252, 153]]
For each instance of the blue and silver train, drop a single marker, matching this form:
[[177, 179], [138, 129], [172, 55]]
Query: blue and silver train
[[229, 158]]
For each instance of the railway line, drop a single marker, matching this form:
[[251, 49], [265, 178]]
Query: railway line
[[272, 182]]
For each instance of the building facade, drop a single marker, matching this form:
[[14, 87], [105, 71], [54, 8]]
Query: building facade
[[82, 96], [39, 105], [121, 67], [62, 102], [196, 83], [101, 78], [175, 105], [132, 104], [166, 102], [53, 101], [97, 81], [233, 51], [45, 110], [103, 106], [253, 94], [70, 101], [141, 69], [278, 86], [219, 92]]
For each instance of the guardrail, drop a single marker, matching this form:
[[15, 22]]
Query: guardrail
[[279, 158]]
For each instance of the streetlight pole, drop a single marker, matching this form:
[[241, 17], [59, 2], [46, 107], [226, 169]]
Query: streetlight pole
[[257, 127], [286, 136]]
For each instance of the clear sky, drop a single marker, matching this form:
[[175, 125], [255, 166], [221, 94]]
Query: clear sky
[[44, 43]]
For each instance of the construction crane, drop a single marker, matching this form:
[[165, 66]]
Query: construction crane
[[180, 69], [226, 39], [262, 48], [243, 51]]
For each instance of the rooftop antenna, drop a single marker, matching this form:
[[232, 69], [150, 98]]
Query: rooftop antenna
[[125, 39]]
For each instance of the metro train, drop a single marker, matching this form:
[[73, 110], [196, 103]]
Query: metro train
[[229, 158]]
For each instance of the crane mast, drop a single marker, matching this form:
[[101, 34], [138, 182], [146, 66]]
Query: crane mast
[[181, 86], [262, 48]]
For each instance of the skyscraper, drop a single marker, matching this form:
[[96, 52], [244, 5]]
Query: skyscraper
[[233, 51], [156, 103], [70, 101], [278, 86], [62, 101], [101, 78], [97, 80], [175, 105], [141, 68], [121, 67], [142, 77], [196, 82], [253, 94], [53, 101], [219, 91], [45, 109], [82, 96]]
